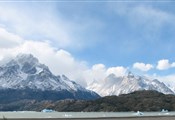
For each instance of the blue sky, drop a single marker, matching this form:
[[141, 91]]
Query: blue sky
[[106, 36]]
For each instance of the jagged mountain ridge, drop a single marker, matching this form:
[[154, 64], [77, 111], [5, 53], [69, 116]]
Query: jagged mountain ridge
[[113, 85], [25, 72]]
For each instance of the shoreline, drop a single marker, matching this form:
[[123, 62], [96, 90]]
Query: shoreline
[[101, 118]]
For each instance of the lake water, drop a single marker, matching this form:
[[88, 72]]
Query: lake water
[[31, 114]]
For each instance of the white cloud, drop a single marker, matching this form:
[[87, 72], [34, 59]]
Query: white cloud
[[173, 64], [118, 71], [96, 72], [99, 72], [8, 39], [142, 66], [164, 64], [59, 61]]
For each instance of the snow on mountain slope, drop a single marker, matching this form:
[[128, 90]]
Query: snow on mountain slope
[[25, 71], [113, 85]]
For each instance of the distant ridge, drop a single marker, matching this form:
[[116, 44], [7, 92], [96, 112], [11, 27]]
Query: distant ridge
[[135, 101], [113, 85]]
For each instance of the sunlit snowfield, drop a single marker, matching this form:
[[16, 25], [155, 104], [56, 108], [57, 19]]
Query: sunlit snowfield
[[30, 114]]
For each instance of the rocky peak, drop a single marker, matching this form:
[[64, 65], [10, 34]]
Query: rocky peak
[[26, 59], [111, 76], [64, 77], [130, 75], [27, 64]]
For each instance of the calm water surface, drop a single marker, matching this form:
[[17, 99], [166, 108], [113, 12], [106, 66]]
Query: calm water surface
[[31, 114]]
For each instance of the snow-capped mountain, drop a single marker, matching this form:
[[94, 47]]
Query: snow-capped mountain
[[113, 85], [25, 72]]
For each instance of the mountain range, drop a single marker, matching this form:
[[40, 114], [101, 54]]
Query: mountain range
[[113, 85], [24, 77]]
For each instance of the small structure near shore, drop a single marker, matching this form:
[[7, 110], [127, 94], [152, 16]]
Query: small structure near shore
[[139, 113], [164, 111], [47, 110]]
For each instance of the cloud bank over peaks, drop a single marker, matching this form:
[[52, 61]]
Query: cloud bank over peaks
[[58, 60], [118, 71], [61, 61], [99, 72]]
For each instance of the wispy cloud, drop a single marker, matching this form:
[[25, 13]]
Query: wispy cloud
[[45, 21], [147, 20], [150, 16], [35, 23], [143, 14]]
